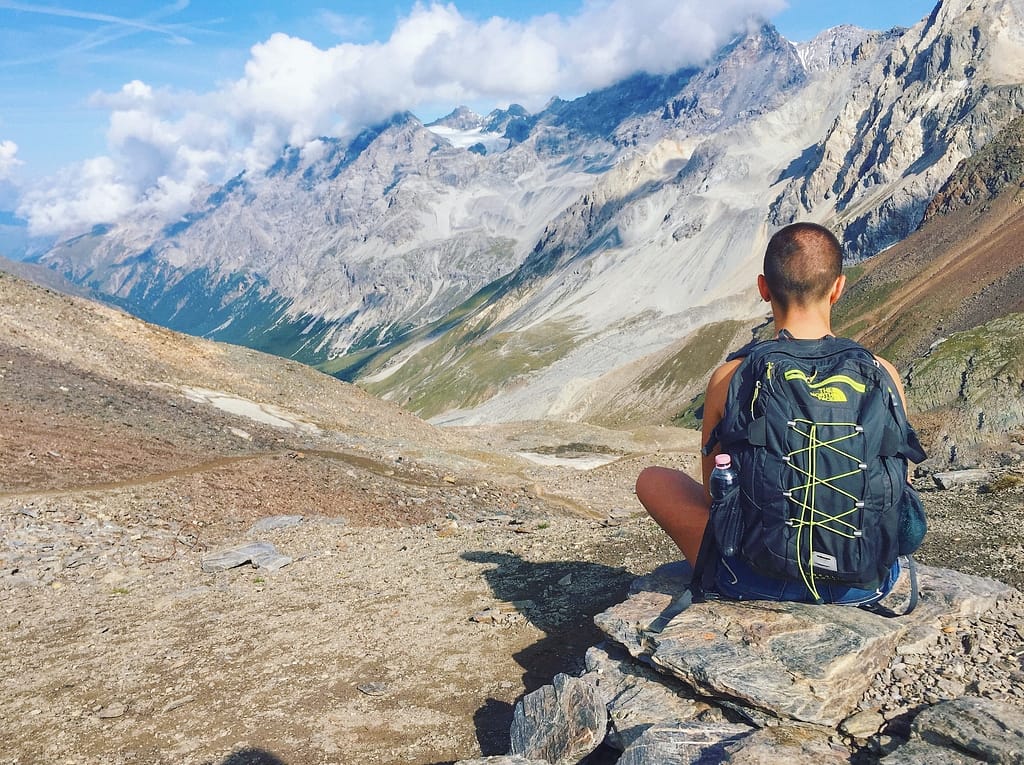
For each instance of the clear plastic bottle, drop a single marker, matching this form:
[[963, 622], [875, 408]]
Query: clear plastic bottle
[[726, 514], [723, 477]]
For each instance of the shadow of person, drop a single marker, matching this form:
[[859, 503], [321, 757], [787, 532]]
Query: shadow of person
[[561, 599], [493, 721], [251, 756]]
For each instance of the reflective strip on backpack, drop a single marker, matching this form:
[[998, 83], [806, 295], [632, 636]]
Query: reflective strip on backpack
[[797, 374]]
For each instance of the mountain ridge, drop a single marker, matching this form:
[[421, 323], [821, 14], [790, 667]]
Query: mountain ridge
[[588, 248]]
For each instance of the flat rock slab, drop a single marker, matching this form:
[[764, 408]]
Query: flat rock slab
[[795, 660], [261, 554], [953, 478], [948, 594], [638, 697], [792, 660], [560, 723]]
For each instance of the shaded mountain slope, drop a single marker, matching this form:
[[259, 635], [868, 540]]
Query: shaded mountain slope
[[947, 304]]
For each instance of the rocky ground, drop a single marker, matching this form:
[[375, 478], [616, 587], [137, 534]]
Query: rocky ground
[[436, 575]]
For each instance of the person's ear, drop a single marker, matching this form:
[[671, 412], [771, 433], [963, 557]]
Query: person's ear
[[837, 289], [762, 287]]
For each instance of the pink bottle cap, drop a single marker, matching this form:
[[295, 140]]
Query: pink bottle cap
[[723, 461]]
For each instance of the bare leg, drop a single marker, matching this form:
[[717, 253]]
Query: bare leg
[[678, 504]]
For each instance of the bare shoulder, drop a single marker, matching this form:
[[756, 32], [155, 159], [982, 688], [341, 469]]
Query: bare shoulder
[[724, 373], [888, 367], [718, 389], [895, 375]]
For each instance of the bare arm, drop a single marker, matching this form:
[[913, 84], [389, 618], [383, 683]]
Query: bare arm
[[714, 409], [897, 381]]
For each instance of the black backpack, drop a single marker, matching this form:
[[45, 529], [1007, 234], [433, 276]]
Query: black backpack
[[819, 436]]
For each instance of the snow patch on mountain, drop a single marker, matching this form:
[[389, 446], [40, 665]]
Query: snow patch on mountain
[[473, 137]]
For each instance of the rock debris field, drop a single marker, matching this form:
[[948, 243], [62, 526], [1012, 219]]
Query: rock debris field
[[421, 581]]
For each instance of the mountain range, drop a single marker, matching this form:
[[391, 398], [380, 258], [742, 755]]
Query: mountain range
[[594, 260]]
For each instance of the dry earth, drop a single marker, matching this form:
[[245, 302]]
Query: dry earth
[[437, 575]]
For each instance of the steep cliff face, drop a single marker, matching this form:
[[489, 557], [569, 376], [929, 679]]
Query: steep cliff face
[[948, 86], [947, 305], [962, 268]]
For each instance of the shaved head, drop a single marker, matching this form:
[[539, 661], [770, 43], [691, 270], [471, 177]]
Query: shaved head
[[802, 263]]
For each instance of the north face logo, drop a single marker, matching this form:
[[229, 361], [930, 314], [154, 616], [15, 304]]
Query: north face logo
[[830, 395], [827, 390]]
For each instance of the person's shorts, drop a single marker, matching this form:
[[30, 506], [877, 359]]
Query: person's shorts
[[735, 580]]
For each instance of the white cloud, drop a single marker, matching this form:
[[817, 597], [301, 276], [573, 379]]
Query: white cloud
[[87, 193], [162, 144], [8, 160]]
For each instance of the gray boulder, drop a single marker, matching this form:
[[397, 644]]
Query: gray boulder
[[968, 729], [638, 697], [683, 743], [260, 554], [560, 723], [923, 753]]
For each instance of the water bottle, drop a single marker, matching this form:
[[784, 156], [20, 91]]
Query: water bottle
[[726, 517], [723, 477]]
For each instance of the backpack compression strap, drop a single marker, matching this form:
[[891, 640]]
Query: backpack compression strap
[[703, 574], [911, 602]]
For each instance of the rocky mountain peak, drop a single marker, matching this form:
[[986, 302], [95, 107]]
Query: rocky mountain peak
[[513, 122], [833, 47], [460, 118], [748, 77], [903, 129]]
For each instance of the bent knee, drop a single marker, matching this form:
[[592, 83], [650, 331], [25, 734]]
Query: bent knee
[[653, 482], [665, 488], [650, 482]]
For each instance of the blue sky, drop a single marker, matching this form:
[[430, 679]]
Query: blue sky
[[127, 101]]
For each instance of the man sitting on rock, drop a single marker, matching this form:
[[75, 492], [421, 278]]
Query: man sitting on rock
[[802, 280]]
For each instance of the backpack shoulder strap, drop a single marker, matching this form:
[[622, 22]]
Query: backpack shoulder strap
[[906, 441], [749, 355]]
